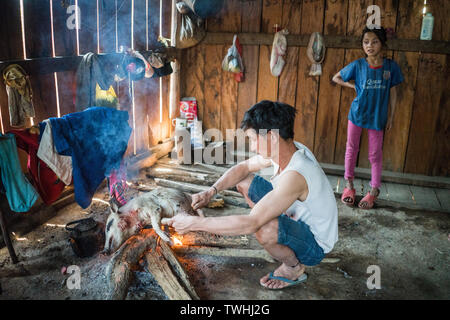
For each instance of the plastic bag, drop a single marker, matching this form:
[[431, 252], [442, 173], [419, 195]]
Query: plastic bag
[[233, 60], [316, 53], [190, 28], [279, 48]]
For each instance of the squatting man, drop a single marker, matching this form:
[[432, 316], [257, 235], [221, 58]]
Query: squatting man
[[294, 216]]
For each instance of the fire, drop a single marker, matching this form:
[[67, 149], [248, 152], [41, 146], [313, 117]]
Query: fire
[[177, 241]]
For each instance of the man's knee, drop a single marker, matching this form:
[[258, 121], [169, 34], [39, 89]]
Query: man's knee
[[244, 185], [268, 233]]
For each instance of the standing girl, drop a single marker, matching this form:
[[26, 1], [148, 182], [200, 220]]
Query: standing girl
[[375, 80]]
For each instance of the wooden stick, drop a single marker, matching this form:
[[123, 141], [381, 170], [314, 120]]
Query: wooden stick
[[211, 240], [193, 188], [230, 197], [225, 252], [7, 239]]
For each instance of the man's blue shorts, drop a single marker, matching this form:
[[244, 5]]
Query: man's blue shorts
[[294, 234]]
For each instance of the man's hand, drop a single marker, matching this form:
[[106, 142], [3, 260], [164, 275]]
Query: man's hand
[[182, 223], [201, 199]]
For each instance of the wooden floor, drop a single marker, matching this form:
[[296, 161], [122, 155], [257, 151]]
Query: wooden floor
[[400, 195]]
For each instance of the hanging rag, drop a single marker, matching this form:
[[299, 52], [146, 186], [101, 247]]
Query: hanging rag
[[117, 184], [96, 139], [20, 95], [20, 193], [61, 165], [45, 181], [279, 48], [91, 71]]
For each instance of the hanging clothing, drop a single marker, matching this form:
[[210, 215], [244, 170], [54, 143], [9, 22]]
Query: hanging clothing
[[91, 71], [60, 165], [96, 139], [20, 193], [46, 182], [20, 95], [117, 184]]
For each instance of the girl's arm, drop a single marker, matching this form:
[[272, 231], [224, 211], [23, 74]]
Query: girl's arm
[[392, 104], [337, 79]]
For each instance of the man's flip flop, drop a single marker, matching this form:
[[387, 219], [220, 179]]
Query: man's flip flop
[[300, 279]]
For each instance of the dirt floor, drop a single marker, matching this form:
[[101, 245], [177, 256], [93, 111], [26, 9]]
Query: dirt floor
[[411, 249]]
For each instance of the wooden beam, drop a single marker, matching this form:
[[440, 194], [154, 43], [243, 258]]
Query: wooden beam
[[48, 65], [331, 41], [7, 239], [389, 176]]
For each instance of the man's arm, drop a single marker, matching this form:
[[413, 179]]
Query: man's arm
[[230, 178], [291, 187]]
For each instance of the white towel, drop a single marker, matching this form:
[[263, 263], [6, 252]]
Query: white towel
[[61, 165]]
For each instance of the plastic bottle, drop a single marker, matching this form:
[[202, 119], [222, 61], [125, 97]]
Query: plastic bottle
[[427, 27]]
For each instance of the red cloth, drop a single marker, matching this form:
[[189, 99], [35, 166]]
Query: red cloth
[[239, 77], [44, 179]]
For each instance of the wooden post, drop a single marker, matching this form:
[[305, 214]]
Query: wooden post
[[7, 239]]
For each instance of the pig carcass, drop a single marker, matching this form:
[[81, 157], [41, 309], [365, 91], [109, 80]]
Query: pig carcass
[[146, 209]]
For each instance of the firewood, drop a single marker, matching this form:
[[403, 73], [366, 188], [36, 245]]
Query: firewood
[[167, 163], [119, 270], [160, 170], [192, 188], [225, 252], [201, 238], [229, 197], [161, 269], [154, 154], [216, 203], [178, 269]]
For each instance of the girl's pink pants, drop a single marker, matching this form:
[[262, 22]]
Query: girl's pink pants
[[375, 153]]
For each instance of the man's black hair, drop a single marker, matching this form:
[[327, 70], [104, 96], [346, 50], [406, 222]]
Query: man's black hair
[[270, 115], [380, 33]]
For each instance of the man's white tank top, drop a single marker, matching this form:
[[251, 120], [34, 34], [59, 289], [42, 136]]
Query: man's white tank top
[[319, 210]]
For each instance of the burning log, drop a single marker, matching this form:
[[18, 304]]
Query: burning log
[[161, 261], [119, 270]]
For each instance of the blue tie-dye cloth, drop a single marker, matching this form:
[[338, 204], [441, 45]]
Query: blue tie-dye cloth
[[97, 139]]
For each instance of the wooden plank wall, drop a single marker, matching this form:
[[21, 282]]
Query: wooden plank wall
[[105, 26], [419, 140]]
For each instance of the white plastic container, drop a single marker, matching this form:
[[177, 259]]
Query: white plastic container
[[427, 27]]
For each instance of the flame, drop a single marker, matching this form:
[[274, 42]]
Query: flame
[[177, 241]]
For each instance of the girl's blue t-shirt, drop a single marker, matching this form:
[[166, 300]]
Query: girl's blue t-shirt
[[370, 107]]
